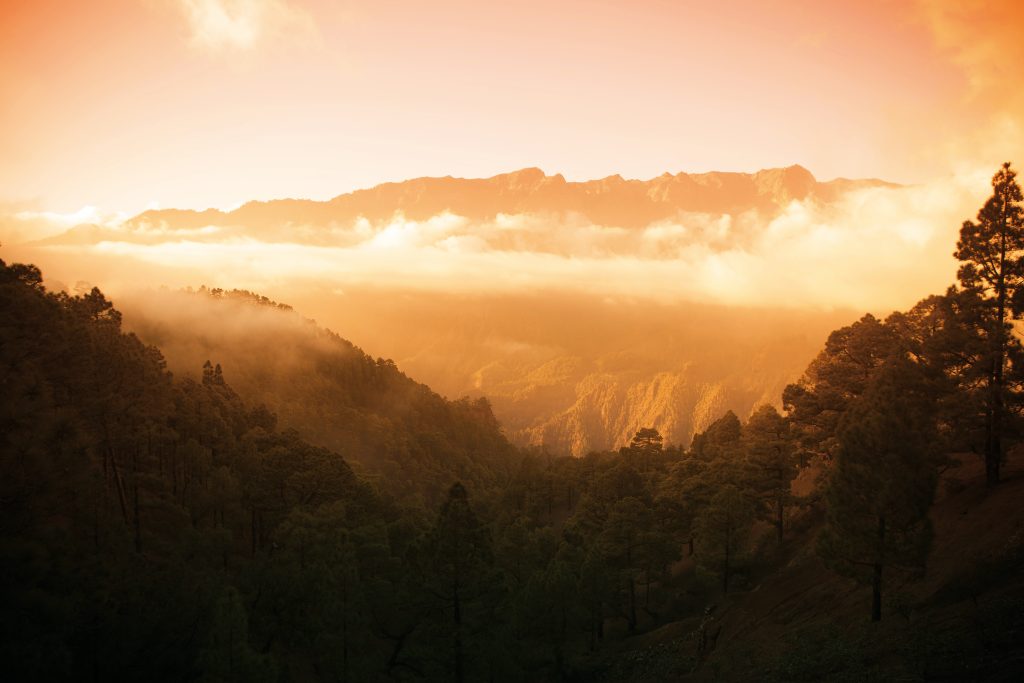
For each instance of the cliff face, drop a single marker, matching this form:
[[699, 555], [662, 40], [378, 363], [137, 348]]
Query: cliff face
[[607, 410], [600, 406]]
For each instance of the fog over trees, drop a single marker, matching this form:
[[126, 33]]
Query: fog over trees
[[300, 510]]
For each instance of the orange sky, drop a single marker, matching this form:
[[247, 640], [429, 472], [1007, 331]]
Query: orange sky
[[122, 103]]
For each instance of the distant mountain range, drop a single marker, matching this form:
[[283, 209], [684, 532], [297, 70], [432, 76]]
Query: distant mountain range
[[571, 371], [612, 201]]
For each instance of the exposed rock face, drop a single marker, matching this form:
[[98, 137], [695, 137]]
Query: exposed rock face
[[601, 410]]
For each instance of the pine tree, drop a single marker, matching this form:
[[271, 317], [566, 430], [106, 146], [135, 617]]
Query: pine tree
[[833, 380], [884, 480], [624, 543], [723, 528], [721, 436], [992, 254], [772, 464], [942, 336], [646, 444], [461, 558]]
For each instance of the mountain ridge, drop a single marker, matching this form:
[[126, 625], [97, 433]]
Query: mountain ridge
[[610, 201]]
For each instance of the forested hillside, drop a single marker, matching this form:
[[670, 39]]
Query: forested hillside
[[408, 440], [167, 529], [569, 388], [348, 341]]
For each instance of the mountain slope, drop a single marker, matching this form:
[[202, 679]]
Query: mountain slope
[[395, 431], [563, 337], [801, 622]]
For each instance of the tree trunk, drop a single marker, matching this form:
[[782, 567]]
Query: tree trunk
[[396, 650], [120, 488], [459, 674], [252, 530], [876, 594], [994, 452], [725, 570], [994, 449], [138, 520], [779, 520], [135, 502], [344, 635], [632, 604], [876, 580]]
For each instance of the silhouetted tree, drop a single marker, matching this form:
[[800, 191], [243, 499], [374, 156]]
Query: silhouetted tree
[[991, 251], [460, 559], [834, 380], [882, 486], [646, 444], [723, 528], [715, 461], [721, 436], [772, 463], [624, 543]]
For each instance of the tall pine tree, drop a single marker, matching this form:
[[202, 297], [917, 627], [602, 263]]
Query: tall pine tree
[[992, 254], [461, 561], [883, 482], [772, 463]]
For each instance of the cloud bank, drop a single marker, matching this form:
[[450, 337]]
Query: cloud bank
[[27, 221], [876, 249]]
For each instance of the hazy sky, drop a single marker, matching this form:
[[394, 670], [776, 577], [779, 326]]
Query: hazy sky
[[123, 103]]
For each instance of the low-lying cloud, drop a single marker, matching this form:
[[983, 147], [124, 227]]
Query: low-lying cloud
[[27, 221], [876, 248]]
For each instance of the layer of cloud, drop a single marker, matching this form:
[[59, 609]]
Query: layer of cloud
[[242, 24], [26, 221], [875, 249]]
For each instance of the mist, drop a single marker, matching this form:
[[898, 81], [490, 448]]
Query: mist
[[874, 248]]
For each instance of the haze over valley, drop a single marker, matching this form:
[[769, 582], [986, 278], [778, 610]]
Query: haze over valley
[[575, 342], [582, 311]]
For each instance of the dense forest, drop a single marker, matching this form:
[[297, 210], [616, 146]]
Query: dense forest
[[164, 528], [395, 432]]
